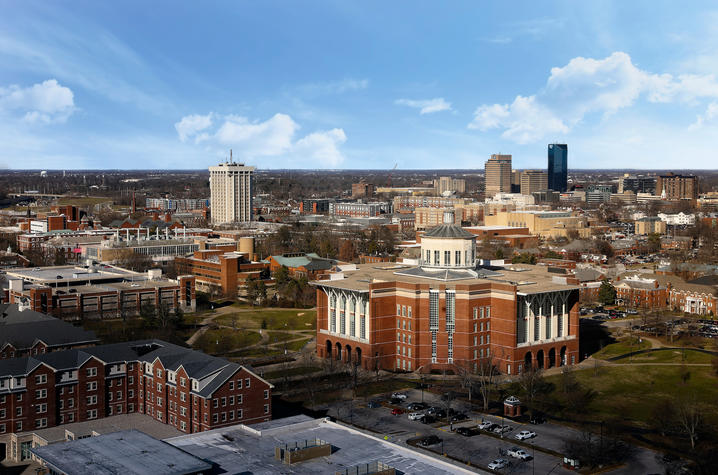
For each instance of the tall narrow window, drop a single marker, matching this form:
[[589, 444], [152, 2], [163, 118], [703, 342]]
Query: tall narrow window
[[447, 258], [333, 313], [457, 260], [343, 317], [450, 310]]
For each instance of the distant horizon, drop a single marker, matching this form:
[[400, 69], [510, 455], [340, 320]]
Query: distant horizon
[[395, 171], [357, 85]]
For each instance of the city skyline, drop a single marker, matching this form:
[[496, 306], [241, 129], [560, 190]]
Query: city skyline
[[342, 87]]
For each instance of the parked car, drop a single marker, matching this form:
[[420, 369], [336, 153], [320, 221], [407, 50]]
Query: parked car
[[415, 416], [401, 396], [467, 431], [433, 410], [397, 412], [518, 453], [428, 419], [525, 434], [374, 404], [501, 429], [415, 406], [459, 416], [486, 425], [498, 464], [429, 440]]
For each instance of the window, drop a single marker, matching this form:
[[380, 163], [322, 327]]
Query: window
[[131, 380], [476, 313], [231, 400], [224, 402], [92, 386], [447, 258], [159, 387], [91, 372], [436, 258], [231, 385], [109, 411], [40, 393], [266, 394], [409, 315], [215, 402], [2, 413], [246, 383], [71, 403], [119, 395], [41, 379], [457, 260], [92, 414], [266, 408], [19, 426], [239, 399], [398, 309], [91, 400], [159, 373], [183, 397], [215, 418], [239, 413], [2, 428], [40, 423], [159, 402], [18, 411]]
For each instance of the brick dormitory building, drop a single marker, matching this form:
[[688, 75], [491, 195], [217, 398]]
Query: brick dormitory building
[[447, 311], [187, 389]]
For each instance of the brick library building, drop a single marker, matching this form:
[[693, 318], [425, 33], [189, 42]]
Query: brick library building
[[189, 390], [445, 311]]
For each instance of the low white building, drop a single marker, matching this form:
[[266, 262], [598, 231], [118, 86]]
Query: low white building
[[680, 219], [519, 200]]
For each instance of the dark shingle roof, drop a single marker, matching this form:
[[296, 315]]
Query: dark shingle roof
[[448, 231], [22, 329]]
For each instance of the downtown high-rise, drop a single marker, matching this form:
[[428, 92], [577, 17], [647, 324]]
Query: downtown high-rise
[[558, 167], [498, 175]]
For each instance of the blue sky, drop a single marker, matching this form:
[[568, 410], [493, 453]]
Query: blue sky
[[370, 84]]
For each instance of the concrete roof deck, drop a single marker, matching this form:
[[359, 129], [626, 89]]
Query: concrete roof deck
[[530, 278], [252, 448], [129, 451]]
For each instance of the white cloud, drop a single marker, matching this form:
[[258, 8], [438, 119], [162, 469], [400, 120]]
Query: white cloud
[[273, 138], [322, 147], [46, 102], [708, 117], [333, 87], [426, 106], [585, 86], [192, 124]]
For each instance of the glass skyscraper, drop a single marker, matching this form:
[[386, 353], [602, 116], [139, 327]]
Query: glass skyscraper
[[557, 166]]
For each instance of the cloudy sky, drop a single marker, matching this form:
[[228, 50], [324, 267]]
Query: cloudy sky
[[365, 84]]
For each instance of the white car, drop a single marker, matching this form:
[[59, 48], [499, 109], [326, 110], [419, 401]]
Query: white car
[[498, 464], [502, 429], [415, 416], [525, 434], [518, 453], [485, 425]]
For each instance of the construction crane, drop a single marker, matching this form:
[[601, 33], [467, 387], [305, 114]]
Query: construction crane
[[390, 173]]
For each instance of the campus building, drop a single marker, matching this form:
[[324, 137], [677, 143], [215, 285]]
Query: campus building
[[186, 389], [97, 290], [677, 187], [231, 189], [448, 312]]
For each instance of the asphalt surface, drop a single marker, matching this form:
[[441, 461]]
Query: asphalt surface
[[478, 451]]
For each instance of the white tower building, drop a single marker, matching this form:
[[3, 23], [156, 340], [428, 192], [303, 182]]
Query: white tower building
[[231, 188]]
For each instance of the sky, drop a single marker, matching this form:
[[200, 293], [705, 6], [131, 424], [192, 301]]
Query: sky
[[357, 84]]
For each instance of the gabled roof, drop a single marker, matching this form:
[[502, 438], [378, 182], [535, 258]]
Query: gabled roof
[[214, 371], [23, 329]]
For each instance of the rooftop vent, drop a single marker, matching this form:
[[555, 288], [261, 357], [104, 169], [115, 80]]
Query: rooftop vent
[[301, 451]]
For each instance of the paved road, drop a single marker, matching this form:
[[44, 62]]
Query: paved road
[[481, 449]]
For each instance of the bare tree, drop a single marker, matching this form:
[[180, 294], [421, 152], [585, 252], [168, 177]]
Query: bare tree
[[689, 417], [487, 375]]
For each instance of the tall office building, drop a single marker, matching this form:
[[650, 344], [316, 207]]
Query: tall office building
[[677, 187], [533, 181], [231, 191], [498, 175], [557, 166]]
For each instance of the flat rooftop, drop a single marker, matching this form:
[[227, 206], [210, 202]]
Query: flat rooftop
[[107, 425], [528, 278], [250, 449], [123, 452], [72, 273]]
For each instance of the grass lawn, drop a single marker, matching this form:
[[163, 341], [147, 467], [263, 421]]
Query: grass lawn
[[381, 387], [297, 345], [630, 393], [115, 330], [288, 373], [669, 356], [259, 351], [295, 319], [279, 336], [83, 201], [234, 340], [622, 347]]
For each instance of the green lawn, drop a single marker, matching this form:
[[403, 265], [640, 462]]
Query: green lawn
[[279, 336], [297, 345], [622, 347], [631, 393], [670, 356], [381, 387], [275, 319], [115, 330], [225, 340]]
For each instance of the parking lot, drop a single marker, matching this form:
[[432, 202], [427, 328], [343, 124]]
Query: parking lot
[[481, 449]]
